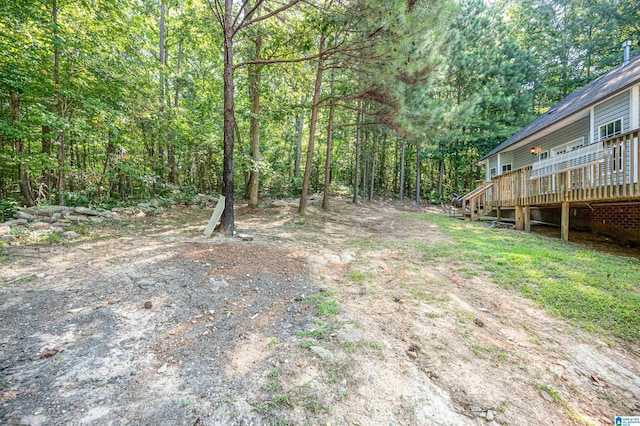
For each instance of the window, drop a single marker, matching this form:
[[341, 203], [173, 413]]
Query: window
[[543, 155], [493, 171], [568, 147], [610, 130], [506, 168]]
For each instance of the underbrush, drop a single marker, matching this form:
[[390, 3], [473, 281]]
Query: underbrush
[[596, 291]]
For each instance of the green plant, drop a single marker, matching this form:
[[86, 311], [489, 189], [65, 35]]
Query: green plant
[[305, 343], [285, 400], [272, 384], [54, 237], [7, 209], [595, 291], [558, 399], [328, 308], [322, 332]]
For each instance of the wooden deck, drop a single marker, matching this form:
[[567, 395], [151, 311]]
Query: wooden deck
[[604, 173]]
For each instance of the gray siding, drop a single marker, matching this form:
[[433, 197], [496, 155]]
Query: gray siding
[[523, 157], [493, 163], [611, 110], [506, 158]]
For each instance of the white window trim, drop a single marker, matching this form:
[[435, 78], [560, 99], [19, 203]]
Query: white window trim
[[510, 165], [567, 147], [621, 120], [542, 155], [492, 172]]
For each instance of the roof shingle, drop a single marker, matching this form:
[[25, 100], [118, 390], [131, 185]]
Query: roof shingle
[[604, 86]]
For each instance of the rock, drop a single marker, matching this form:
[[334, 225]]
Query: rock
[[34, 420], [144, 206], [141, 214], [5, 229], [323, 353], [40, 225], [148, 304], [94, 219], [110, 215], [490, 416], [18, 222], [48, 352], [145, 284], [47, 210], [279, 203], [546, 396], [76, 218], [245, 237], [350, 335], [479, 322], [41, 275], [7, 238], [412, 354], [154, 203], [56, 216], [85, 211], [26, 216], [70, 234]]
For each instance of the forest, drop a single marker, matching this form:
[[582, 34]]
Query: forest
[[112, 102]]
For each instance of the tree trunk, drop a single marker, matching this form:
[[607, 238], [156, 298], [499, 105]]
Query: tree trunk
[[228, 220], [440, 176], [402, 171], [161, 49], [418, 174], [58, 103], [365, 163], [382, 181], [356, 178], [176, 96], [255, 75], [18, 143], [171, 149], [300, 127], [312, 127], [373, 166], [46, 180], [327, 165]]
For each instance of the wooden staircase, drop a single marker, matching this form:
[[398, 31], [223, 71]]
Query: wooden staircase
[[477, 203]]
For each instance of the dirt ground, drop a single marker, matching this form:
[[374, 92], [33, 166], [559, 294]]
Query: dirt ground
[[331, 318]]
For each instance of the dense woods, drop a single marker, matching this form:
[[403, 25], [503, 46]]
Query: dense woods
[[107, 102]]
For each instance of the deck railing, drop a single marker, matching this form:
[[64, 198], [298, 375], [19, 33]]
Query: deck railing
[[607, 173]]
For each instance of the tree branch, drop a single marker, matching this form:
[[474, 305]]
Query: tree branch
[[244, 23]]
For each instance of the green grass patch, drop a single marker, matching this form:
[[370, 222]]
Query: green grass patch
[[596, 291], [326, 307]]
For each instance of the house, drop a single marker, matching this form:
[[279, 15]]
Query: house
[[576, 165]]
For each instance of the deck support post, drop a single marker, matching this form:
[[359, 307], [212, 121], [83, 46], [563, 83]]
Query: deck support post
[[527, 218], [498, 213], [564, 225], [519, 218], [472, 207]]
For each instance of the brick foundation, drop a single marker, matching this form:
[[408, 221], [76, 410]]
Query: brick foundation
[[621, 221], [617, 220]]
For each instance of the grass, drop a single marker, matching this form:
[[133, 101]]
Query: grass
[[573, 414], [322, 330], [598, 292], [326, 307]]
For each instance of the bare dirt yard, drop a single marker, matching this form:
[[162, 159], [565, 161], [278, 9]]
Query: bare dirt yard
[[332, 318]]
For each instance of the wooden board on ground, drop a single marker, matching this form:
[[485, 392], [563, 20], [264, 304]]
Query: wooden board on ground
[[215, 217]]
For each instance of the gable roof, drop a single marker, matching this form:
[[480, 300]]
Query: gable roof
[[604, 86]]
